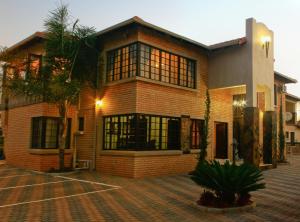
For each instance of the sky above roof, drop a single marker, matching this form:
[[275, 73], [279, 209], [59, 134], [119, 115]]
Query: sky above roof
[[205, 21]]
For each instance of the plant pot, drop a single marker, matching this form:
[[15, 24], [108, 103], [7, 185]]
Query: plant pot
[[226, 210]]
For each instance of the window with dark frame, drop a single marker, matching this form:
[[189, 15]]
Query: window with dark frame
[[286, 134], [81, 124], [153, 63], [141, 132], [275, 94], [196, 131], [45, 131]]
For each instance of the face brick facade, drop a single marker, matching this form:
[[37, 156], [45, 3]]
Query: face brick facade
[[131, 96]]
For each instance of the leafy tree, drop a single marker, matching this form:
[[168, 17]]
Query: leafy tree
[[281, 133], [205, 129], [68, 63]]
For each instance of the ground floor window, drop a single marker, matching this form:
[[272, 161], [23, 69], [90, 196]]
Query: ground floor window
[[45, 133], [196, 131], [141, 132]]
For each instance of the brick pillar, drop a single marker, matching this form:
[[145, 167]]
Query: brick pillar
[[250, 136], [185, 134], [270, 131]]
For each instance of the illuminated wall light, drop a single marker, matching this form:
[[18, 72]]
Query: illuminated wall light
[[266, 43], [99, 103]]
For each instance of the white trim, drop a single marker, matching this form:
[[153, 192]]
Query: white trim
[[31, 185], [87, 181]]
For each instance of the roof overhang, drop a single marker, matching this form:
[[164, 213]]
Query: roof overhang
[[283, 78], [292, 97], [28, 40], [137, 20]]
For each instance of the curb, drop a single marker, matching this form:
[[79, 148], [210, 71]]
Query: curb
[[226, 210]]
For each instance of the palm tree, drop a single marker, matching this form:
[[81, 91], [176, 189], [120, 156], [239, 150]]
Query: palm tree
[[69, 49]]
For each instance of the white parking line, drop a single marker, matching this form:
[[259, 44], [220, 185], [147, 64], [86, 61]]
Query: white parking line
[[87, 181], [31, 185], [21, 175], [57, 198]]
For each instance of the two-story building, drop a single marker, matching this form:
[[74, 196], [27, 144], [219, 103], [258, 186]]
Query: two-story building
[[144, 118], [292, 129]]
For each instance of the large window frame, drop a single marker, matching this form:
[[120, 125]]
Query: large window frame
[[141, 132], [45, 132], [151, 63]]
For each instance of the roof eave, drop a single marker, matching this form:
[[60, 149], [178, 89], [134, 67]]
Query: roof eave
[[285, 78]]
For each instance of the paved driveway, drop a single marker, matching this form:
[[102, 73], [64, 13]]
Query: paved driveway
[[30, 196]]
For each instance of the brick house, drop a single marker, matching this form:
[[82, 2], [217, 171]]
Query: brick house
[[144, 117]]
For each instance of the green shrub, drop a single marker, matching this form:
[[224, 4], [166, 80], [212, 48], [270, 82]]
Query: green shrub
[[230, 183]]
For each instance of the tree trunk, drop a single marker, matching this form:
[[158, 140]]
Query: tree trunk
[[63, 123]]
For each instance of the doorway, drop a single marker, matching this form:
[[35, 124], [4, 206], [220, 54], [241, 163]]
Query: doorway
[[221, 140]]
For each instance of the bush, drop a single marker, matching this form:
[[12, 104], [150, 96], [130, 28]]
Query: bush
[[230, 183]]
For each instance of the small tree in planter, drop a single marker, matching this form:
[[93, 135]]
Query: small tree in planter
[[66, 67], [205, 130], [281, 134]]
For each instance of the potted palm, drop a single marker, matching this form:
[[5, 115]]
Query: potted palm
[[228, 186]]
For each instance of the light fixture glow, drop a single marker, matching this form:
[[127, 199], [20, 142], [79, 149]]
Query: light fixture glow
[[266, 43], [265, 39], [99, 103]]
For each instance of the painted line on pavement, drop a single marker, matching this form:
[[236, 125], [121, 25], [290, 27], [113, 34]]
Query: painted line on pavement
[[57, 198], [31, 185], [87, 181]]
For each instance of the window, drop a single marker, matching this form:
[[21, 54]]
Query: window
[[196, 131], [286, 134], [153, 63], [45, 132], [141, 132], [275, 95], [122, 63], [81, 124], [35, 63]]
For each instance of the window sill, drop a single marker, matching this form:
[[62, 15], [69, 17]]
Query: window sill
[[48, 151], [140, 153], [138, 78], [195, 150]]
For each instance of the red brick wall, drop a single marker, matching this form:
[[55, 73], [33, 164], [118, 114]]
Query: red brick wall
[[17, 135], [144, 166]]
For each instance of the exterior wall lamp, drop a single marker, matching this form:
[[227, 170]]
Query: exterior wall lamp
[[99, 103], [266, 43]]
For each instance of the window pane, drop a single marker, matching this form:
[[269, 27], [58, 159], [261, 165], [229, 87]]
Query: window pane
[[51, 139], [37, 124], [174, 70]]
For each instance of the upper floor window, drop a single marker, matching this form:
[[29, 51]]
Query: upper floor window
[[122, 63], [34, 64], [152, 63]]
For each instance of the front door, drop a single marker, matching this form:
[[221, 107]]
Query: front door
[[221, 140]]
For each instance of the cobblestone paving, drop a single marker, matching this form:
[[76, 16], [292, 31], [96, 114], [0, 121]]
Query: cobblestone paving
[[29, 196]]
